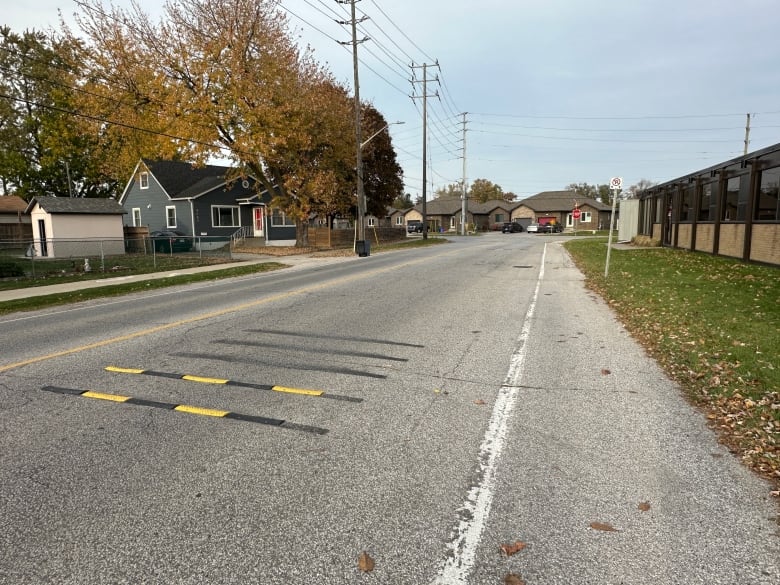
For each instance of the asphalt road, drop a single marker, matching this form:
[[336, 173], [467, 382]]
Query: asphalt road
[[425, 407]]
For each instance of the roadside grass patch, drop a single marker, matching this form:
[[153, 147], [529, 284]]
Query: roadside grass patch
[[713, 324]]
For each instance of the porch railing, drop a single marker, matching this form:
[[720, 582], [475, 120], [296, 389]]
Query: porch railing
[[238, 238]]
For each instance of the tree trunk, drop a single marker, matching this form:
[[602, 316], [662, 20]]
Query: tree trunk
[[301, 234]]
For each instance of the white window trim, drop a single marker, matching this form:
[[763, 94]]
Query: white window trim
[[283, 217], [371, 221], [399, 220], [136, 217], [143, 181], [235, 209], [168, 217]]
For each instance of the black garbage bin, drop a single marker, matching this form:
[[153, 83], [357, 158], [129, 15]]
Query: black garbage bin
[[363, 247]]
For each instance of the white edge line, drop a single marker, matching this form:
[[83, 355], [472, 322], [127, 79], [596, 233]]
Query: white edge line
[[474, 513]]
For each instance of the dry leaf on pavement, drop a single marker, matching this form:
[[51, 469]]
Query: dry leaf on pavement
[[644, 506], [479, 401], [365, 562], [603, 526], [510, 549], [512, 579]]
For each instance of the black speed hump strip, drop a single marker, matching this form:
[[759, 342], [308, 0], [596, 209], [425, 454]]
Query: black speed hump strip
[[187, 408]]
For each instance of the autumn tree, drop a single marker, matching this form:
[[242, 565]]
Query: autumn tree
[[403, 201], [382, 175], [221, 79], [44, 148], [483, 190], [451, 191]]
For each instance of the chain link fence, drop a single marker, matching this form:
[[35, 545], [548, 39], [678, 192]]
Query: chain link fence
[[67, 260]]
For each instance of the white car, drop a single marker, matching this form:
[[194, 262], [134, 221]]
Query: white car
[[532, 228]]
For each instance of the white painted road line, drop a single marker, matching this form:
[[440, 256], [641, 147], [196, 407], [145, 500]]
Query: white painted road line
[[474, 513]]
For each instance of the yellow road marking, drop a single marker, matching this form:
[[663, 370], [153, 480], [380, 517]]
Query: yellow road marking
[[124, 370], [298, 391], [204, 380], [213, 314], [102, 396], [203, 411]]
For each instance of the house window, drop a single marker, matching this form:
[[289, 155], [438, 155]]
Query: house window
[[768, 208], [686, 211], [706, 203], [279, 219], [585, 217], [371, 221], [143, 180], [136, 216], [170, 216], [225, 216], [499, 217], [452, 222], [399, 220]]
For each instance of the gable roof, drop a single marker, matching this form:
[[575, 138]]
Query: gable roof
[[77, 205], [454, 205], [560, 201], [12, 204], [182, 179]]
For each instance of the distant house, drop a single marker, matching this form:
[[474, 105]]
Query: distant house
[[557, 206], [64, 227], [201, 202], [443, 213], [15, 224]]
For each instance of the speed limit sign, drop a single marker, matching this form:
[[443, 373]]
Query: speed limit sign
[[616, 183]]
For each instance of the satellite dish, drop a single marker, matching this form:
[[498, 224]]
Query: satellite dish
[[245, 184]]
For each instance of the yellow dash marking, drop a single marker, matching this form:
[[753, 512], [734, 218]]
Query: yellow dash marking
[[298, 391], [124, 370], [101, 396], [203, 411], [205, 380]]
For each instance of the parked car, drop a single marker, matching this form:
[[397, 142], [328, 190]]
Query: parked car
[[550, 228], [532, 228], [168, 241], [414, 226], [511, 227]]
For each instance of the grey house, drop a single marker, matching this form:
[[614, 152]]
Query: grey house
[[200, 202]]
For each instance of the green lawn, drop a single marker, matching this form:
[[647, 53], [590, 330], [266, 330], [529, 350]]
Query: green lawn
[[713, 324]]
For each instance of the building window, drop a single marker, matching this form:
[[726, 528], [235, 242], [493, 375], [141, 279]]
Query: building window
[[706, 203], [585, 217], [735, 200], [768, 207], [452, 222], [399, 220], [686, 205], [371, 221], [136, 216], [170, 216], [143, 180], [499, 218], [225, 216], [280, 219]]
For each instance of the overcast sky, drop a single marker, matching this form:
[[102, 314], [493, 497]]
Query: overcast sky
[[555, 91]]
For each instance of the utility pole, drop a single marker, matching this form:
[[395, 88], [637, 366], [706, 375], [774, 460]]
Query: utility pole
[[425, 97], [747, 134], [361, 195], [464, 205]]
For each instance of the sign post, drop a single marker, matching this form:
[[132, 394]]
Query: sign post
[[615, 186], [575, 216]]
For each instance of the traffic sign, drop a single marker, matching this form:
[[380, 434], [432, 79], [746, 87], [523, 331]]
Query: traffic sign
[[616, 183], [576, 213]]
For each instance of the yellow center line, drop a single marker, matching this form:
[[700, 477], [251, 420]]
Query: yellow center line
[[213, 314]]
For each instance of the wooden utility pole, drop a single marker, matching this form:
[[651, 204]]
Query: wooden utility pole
[[424, 97], [464, 205]]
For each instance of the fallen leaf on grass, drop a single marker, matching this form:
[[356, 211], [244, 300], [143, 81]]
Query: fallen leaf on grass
[[365, 562], [479, 401], [510, 549], [512, 579], [644, 506], [603, 526]]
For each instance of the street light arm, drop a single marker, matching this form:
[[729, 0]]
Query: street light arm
[[377, 133]]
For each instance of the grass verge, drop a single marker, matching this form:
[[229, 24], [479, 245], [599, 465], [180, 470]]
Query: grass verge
[[713, 324], [113, 290]]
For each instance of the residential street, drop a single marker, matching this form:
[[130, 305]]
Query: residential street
[[425, 407]]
